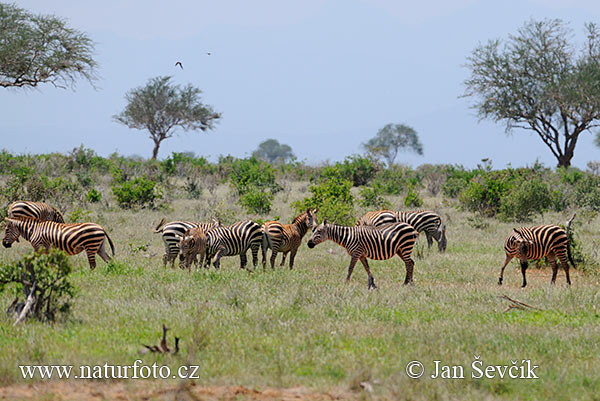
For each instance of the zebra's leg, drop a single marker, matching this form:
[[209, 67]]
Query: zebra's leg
[[370, 281], [429, 239], [441, 238], [351, 267], [409, 264], [91, 255], [552, 261], [243, 260], [508, 259], [273, 257], [283, 259], [565, 264], [523, 271], [254, 249], [292, 257], [217, 258]]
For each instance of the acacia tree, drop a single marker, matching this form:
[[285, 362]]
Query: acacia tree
[[538, 81], [272, 151], [38, 49], [391, 139], [161, 107]]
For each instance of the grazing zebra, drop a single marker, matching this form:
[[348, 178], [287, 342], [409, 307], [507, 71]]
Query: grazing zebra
[[192, 244], [536, 242], [38, 210], [172, 233], [71, 238], [421, 220], [286, 238], [235, 240], [367, 242]]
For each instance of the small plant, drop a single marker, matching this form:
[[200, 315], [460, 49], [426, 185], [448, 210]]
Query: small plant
[[139, 192], [78, 215], [333, 198], [43, 280], [93, 196], [256, 201], [371, 198], [412, 198], [528, 198]]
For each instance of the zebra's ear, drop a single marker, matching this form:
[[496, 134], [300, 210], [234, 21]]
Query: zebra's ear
[[325, 221], [316, 210], [516, 230]]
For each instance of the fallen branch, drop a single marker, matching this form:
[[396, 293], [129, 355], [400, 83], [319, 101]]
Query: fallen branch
[[163, 348], [514, 304]]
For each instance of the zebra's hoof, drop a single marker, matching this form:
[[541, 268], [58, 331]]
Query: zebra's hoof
[[499, 281]]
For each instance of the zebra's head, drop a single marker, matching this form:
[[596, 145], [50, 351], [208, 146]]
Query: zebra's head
[[311, 218], [521, 242], [320, 234], [11, 233]]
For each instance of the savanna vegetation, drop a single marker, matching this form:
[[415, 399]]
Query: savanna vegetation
[[306, 327]]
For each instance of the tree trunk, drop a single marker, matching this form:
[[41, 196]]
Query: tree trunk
[[565, 160], [155, 151]]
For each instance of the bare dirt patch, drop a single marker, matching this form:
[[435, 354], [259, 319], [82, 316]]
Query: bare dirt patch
[[153, 391]]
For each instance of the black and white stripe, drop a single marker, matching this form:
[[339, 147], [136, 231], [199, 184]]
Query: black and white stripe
[[422, 220], [533, 243], [367, 242], [235, 240], [172, 233], [71, 238], [37, 210]]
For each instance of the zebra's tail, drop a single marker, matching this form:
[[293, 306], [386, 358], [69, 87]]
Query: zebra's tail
[[112, 246], [158, 228], [569, 242], [266, 244]]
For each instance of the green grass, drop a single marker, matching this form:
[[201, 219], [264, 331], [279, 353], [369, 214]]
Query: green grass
[[307, 327]]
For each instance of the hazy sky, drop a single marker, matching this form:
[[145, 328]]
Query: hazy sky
[[321, 76]]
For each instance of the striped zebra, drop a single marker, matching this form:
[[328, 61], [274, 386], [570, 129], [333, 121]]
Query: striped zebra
[[71, 238], [367, 242], [235, 240], [286, 238], [421, 220], [38, 210], [172, 233], [533, 243]]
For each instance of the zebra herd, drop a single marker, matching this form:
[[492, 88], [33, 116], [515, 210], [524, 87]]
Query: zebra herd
[[377, 235]]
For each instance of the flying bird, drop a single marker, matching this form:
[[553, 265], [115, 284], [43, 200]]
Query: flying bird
[[179, 64], [208, 53]]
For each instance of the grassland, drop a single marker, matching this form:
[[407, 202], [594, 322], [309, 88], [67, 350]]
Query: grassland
[[308, 328]]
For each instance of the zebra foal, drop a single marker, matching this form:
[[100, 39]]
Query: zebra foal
[[71, 238], [422, 220], [38, 210], [172, 233], [366, 242], [287, 238], [533, 243]]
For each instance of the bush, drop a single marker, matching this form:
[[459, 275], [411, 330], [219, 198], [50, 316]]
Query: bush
[[587, 192], [483, 194], [333, 198], [528, 197], [44, 278], [93, 196], [254, 181], [412, 198], [360, 170], [371, 198], [393, 180], [140, 192]]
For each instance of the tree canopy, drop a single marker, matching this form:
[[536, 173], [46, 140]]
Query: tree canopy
[[37, 49], [161, 107], [391, 139], [537, 80], [272, 151]]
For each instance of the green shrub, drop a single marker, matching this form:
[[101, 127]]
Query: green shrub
[[371, 198], [528, 198], [45, 276], [139, 192], [256, 201], [360, 170], [484, 193], [333, 198], [93, 196], [587, 192], [412, 198]]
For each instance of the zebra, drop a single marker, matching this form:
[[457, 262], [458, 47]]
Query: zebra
[[286, 238], [71, 238], [235, 240], [421, 220], [38, 210], [536, 242], [172, 233], [192, 244], [367, 242]]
